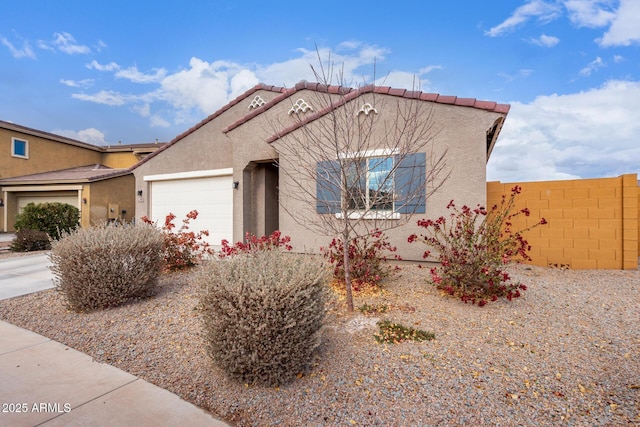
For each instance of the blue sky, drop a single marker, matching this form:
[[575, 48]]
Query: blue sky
[[104, 72]]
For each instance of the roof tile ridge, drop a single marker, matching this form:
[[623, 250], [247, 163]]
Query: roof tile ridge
[[284, 93], [246, 94], [444, 99]]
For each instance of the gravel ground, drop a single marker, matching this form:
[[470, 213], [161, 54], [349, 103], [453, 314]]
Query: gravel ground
[[566, 353]]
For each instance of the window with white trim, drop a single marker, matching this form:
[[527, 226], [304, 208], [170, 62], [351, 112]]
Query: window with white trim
[[369, 184], [384, 184], [20, 148]]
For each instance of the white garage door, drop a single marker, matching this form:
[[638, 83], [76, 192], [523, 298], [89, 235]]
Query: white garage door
[[212, 197]]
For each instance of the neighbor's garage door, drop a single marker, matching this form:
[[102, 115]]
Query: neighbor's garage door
[[212, 197], [71, 199]]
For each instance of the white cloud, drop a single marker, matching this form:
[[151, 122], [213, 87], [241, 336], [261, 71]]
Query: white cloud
[[77, 83], [100, 45], [241, 82], [625, 27], [89, 135], [344, 63], [106, 97], [623, 22], [533, 9], [24, 52], [590, 13], [132, 74], [545, 41], [95, 65], [594, 65], [583, 135], [203, 87], [157, 121], [521, 74], [409, 80], [65, 43]]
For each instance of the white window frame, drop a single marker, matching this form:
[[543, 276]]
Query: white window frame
[[370, 213], [26, 148]]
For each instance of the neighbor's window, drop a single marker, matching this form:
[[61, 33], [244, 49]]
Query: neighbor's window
[[20, 148], [370, 184]]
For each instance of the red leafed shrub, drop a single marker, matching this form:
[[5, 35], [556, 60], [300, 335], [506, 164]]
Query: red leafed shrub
[[255, 244], [182, 248], [368, 256], [473, 246]]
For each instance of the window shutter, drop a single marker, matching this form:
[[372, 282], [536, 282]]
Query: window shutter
[[410, 180], [328, 196]]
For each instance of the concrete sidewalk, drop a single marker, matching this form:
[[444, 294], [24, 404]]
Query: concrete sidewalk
[[47, 383], [43, 382]]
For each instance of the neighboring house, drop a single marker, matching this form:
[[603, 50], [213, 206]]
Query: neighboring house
[[37, 166], [227, 166]]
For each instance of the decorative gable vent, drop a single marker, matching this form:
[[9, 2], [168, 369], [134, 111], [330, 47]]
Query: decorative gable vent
[[257, 102], [366, 109], [300, 106]]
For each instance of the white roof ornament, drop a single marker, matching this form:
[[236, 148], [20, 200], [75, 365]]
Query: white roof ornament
[[366, 109], [300, 106], [257, 102]]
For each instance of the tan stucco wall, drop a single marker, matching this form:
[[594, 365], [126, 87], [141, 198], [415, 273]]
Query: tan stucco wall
[[115, 191], [119, 160], [95, 199], [44, 155], [209, 148], [592, 223], [459, 131]]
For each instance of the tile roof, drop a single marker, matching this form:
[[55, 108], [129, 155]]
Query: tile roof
[[209, 118], [385, 90], [63, 139], [350, 93], [89, 173], [285, 94]]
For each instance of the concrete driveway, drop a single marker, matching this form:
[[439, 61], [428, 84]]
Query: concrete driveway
[[24, 275]]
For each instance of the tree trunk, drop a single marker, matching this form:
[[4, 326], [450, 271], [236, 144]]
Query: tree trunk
[[347, 267]]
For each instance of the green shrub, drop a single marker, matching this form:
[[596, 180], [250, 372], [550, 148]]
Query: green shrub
[[51, 218], [30, 240], [262, 314], [107, 265], [393, 333], [367, 309]]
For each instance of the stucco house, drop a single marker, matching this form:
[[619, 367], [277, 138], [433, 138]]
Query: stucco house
[[38, 167], [231, 166]]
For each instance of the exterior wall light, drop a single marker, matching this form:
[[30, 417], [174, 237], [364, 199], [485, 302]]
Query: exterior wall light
[[235, 185]]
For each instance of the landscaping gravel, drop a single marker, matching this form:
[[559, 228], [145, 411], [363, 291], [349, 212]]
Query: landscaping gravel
[[566, 353]]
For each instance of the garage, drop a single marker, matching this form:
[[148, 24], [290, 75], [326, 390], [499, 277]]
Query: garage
[[70, 199], [208, 192]]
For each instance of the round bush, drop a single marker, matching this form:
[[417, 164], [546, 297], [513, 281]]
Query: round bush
[[30, 240], [263, 313], [51, 218], [107, 265]]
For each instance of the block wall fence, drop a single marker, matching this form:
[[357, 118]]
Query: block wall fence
[[592, 223]]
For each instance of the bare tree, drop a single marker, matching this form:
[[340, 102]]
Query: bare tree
[[358, 162]]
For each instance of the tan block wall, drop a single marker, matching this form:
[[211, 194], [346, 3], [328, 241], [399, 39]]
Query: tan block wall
[[592, 223]]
